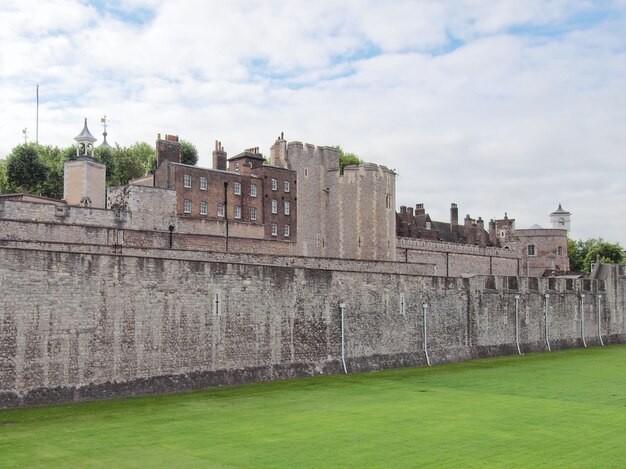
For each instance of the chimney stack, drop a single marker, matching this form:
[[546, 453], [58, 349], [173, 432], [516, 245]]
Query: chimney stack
[[219, 156], [454, 219]]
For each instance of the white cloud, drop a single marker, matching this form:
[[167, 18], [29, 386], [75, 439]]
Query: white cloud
[[497, 106]]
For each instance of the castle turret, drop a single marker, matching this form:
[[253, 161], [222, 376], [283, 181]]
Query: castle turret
[[560, 218], [84, 179]]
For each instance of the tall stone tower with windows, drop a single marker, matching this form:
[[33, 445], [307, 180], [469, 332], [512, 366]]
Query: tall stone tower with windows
[[560, 219], [84, 181]]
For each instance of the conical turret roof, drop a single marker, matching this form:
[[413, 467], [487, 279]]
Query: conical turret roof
[[559, 211], [85, 135]]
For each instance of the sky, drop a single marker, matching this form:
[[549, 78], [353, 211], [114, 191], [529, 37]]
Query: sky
[[498, 106]]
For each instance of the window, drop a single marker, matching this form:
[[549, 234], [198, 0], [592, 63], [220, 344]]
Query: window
[[274, 206], [252, 190], [203, 208], [531, 250], [237, 188], [388, 201], [274, 229], [306, 172], [287, 207], [187, 180], [220, 210], [559, 250], [203, 184], [237, 167], [286, 186], [237, 211], [187, 206], [428, 225], [274, 185], [252, 213], [286, 231]]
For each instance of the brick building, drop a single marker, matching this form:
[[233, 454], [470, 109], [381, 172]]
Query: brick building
[[242, 190]]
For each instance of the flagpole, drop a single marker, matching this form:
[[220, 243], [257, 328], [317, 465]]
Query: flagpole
[[37, 126]]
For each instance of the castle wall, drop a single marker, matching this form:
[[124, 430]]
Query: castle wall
[[546, 244], [363, 202], [316, 223], [454, 260], [77, 326], [350, 215]]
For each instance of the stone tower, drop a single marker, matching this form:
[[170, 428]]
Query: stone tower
[[84, 180], [560, 219]]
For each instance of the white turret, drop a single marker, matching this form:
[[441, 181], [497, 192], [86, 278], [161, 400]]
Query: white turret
[[560, 219]]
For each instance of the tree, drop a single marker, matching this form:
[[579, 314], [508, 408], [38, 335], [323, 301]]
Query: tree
[[24, 167], [584, 253], [188, 153], [347, 159], [130, 163], [54, 158]]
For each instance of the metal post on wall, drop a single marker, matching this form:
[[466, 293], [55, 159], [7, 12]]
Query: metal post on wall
[[519, 351], [547, 299], [226, 211], [342, 307], [424, 309], [582, 319], [599, 327]]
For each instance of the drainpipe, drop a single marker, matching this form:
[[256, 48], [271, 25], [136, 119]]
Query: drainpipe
[[424, 309], [546, 321], [599, 329], [171, 228], [342, 306], [226, 211], [582, 319], [519, 351]]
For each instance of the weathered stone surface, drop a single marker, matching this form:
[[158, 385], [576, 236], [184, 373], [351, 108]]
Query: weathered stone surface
[[76, 326]]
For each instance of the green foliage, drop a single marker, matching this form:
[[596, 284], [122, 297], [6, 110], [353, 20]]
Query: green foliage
[[6, 186], [188, 153], [347, 159], [54, 158], [584, 253], [129, 163], [24, 167], [559, 409]]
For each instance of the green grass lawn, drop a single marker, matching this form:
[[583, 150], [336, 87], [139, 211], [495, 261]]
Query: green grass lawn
[[560, 409]]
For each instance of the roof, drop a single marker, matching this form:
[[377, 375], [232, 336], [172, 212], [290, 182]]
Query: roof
[[560, 211], [247, 154], [105, 144], [85, 134]]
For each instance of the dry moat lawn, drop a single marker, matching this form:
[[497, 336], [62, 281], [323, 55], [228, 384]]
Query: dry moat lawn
[[560, 409]]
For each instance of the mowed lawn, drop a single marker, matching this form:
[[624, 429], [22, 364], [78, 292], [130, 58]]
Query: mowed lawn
[[559, 409]]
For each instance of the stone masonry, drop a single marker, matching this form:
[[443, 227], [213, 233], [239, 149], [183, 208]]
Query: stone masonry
[[76, 326]]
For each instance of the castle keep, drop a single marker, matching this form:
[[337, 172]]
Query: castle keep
[[164, 290]]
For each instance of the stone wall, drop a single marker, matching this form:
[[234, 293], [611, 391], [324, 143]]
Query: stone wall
[[550, 250], [455, 260], [350, 215], [76, 326]]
